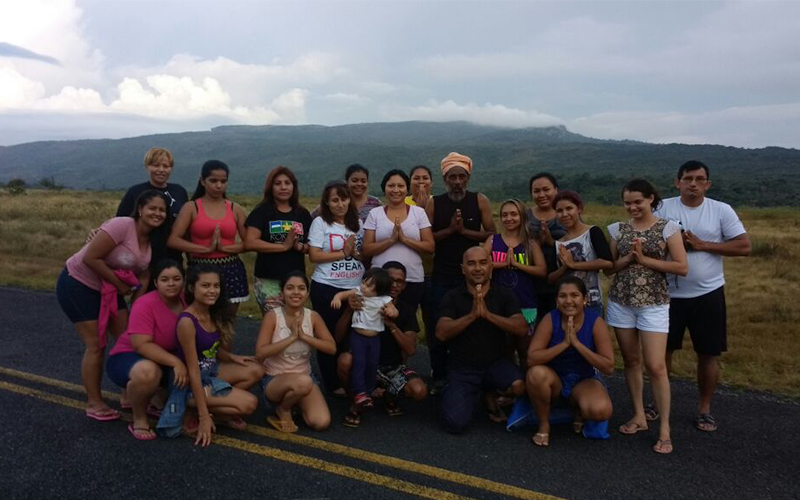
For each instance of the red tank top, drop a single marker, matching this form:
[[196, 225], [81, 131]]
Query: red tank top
[[202, 229]]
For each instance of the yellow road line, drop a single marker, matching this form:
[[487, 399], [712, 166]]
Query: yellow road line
[[506, 490], [53, 382], [275, 453]]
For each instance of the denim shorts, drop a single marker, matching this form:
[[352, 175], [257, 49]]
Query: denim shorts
[[78, 301], [118, 368]]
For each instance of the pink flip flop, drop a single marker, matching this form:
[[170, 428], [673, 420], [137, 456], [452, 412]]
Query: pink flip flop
[[136, 430], [103, 415]]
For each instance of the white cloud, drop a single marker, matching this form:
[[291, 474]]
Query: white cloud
[[347, 99], [486, 114], [746, 126], [16, 90], [72, 99]]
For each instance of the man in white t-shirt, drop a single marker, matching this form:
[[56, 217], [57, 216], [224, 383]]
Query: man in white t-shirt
[[711, 230]]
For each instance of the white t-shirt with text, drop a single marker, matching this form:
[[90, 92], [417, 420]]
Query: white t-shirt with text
[[343, 273]]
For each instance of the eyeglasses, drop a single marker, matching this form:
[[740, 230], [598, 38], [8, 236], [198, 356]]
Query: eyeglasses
[[689, 180]]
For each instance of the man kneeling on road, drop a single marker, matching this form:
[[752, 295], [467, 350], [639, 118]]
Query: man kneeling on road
[[398, 343], [474, 320]]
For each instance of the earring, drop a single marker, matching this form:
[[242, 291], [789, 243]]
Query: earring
[[140, 214]]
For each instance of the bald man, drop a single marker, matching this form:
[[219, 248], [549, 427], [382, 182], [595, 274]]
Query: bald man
[[475, 319], [460, 219]]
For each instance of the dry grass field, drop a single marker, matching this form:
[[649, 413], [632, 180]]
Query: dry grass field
[[40, 230]]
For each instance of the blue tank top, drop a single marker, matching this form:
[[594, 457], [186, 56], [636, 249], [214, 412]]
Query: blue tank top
[[205, 343], [518, 282], [571, 361]]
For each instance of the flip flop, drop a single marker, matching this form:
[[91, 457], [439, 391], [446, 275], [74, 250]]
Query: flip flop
[[632, 428], [125, 406], [154, 411], [103, 415], [352, 419], [393, 409], [282, 426], [190, 426], [650, 413], [661, 444], [136, 433], [541, 439], [236, 423], [705, 422]]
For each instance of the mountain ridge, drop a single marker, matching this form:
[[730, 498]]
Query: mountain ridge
[[504, 158]]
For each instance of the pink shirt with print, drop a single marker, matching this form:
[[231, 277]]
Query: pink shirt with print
[[126, 255]]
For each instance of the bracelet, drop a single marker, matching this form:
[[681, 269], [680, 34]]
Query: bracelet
[[204, 417]]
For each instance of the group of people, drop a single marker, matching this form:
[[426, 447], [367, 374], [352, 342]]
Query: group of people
[[506, 313]]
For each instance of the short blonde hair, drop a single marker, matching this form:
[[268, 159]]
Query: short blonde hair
[[153, 154]]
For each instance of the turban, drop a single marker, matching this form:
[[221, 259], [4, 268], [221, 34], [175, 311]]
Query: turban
[[456, 160]]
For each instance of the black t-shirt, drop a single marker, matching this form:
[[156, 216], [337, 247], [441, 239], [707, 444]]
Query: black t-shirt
[[274, 226], [176, 198], [390, 349], [481, 343]]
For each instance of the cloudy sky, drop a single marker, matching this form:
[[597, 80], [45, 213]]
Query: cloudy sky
[[678, 71]]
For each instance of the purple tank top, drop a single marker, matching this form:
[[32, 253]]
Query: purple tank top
[[206, 343], [519, 282]]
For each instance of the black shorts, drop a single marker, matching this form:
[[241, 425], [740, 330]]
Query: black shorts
[[705, 317]]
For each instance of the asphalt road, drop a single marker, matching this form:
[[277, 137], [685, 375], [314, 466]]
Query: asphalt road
[[49, 449]]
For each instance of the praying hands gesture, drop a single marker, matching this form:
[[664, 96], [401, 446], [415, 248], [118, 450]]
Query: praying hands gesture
[[565, 256], [291, 240], [350, 246], [545, 237], [478, 304], [423, 197], [457, 223]]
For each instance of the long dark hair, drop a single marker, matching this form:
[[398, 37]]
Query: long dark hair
[[159, 235], [269, 197], [221, 311], [205, 172], [351, 220]]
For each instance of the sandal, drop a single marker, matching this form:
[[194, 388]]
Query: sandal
[[281, 425], [103, 414], [632, 428], [191, 426], [363, 400], [663, 446], [141, 433], [393, 409], [352, 419], [154, 411], [705, 422], [541, 439], [650, 412], [577, 427], [236, 423]]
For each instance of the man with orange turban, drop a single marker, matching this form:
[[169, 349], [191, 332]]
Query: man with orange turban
[[460, 219]]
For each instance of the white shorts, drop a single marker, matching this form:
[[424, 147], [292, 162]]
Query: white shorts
[[647, 318]]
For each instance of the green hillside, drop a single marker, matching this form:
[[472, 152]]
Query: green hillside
[[504, 159]]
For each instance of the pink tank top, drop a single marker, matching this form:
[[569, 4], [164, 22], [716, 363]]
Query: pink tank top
[[202, 229]]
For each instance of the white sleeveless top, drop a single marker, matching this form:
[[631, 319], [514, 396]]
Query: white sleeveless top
[[295, 358]]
